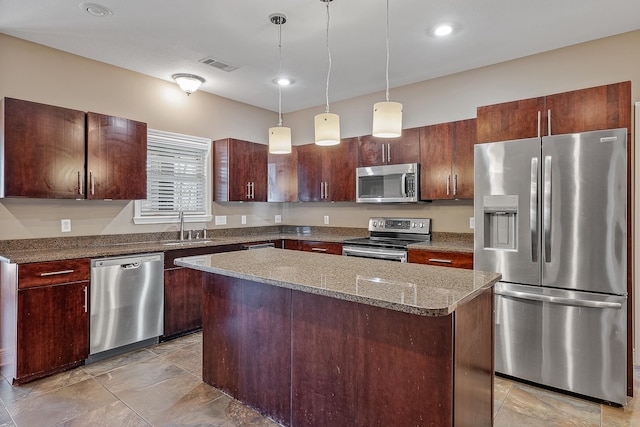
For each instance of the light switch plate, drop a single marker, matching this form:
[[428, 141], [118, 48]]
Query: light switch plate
[[65, 225], [472, 223], [221, 219], [326, 219], [243, 219], [278, 219]]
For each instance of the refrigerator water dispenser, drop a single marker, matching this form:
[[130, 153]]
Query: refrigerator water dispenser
[[500, 220]]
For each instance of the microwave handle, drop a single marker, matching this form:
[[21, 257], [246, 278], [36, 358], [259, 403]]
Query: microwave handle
[[403, 188]]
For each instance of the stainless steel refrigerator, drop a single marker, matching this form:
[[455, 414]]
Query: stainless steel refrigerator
[[551, 216]]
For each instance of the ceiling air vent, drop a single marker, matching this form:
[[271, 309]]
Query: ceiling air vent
[[219, 65]]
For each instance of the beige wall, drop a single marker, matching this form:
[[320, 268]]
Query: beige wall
[[34, 72]]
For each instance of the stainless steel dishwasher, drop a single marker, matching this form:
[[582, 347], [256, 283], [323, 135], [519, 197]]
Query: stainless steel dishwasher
[[127, 303]]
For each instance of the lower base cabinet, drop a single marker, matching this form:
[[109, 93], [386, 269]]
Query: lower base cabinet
[[442, 258], [183, 301]]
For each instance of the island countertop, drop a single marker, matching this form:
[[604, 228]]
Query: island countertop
[[411, 288]]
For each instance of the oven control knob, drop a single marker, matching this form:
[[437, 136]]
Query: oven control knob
[[375, 223]]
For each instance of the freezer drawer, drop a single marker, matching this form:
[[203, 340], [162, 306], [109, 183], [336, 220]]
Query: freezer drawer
[[575, 341]]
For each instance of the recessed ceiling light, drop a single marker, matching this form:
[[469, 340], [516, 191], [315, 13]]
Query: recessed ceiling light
[[283, 81], [442, 30], [97, 10]]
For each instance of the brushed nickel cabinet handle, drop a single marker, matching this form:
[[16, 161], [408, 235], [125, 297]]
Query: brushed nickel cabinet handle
[[388, 153], [383, 157], [539, 121], [442, 261], [79, 184], [455, 185], [93, 183], [448, 184], [549, 121], [85, 299], [318, 249], [56, 273]]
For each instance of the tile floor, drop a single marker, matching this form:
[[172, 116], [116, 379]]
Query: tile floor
[[161, 386]]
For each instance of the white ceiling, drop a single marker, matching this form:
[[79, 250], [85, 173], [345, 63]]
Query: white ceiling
[[163, 37]]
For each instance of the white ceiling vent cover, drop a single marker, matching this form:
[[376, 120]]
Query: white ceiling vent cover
[[219, 65]]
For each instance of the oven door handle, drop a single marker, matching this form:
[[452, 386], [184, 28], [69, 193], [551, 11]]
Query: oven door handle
[[380, 254]]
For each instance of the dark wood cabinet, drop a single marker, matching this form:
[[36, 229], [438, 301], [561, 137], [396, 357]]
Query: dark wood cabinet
[[328, 174], [374, 151], [43, 150], [116, 158], [446, 160], [441, 258], [240, 171], [282, 177], [49, 302], [59, 153], [314, 246], [596, 108]]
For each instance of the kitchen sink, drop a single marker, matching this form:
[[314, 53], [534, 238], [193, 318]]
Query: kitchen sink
[[186, 242]]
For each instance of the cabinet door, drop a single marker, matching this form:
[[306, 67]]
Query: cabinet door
[[340, 175], [463, 137], [435, 162], [116, 158], [310, 174], [182, 300], [512, 120], [258, 169], [53, 328], [43, 151], [601, 107], [240, 170], [374, 151], [282, 177]]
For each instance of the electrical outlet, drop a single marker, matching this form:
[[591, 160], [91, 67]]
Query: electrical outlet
[[326, 219], [243, 219], [65, 225], [472, 223], [278, 219], [221, 219]]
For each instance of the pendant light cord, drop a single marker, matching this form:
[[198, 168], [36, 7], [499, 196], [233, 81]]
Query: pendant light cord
[[279, 73], [329, 56], [387, 39]]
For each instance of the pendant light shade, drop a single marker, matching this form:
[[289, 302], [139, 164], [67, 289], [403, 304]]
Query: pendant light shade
[[387, 119], [279, 136], [280, 140], [387, 116], [327, 126]]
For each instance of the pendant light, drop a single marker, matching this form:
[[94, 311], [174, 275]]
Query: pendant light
[[279, 136], [327, 125], [387, 115]]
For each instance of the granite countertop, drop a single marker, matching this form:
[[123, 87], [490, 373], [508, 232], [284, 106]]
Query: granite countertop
[[56, 249], [411, 288]]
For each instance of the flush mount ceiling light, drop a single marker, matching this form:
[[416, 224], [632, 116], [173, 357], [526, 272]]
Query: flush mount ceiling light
[[443, 30], [327, 125], [188, 82], [387, 116], [96, 10], [279, 136], [283, 81]]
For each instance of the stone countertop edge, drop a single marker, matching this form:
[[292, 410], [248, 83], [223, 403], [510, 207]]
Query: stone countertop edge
[[23, 256], [436, 291]]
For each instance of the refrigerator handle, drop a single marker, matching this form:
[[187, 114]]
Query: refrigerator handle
[[533, 206], [558, 300], [546, 209]]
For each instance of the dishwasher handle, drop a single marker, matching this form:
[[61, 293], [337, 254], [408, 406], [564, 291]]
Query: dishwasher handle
[[130, 266]]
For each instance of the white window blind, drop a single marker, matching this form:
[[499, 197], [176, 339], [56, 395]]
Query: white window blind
[[178, 171]]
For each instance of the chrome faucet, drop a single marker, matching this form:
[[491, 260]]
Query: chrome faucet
[[181, 216]]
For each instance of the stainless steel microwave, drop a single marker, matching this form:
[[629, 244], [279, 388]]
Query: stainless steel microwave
[[388, 183]]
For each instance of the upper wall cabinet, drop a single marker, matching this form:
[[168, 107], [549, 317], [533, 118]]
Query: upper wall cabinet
[[282, 177], [43, 152], [59, 153], [446, 160], [116, 158], [240, 171], [328, 174], [600, 107], [374, 151]]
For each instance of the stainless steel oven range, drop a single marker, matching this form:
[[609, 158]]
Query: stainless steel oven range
[[389, 238]]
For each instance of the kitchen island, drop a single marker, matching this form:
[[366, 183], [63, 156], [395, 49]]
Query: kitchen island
[[310, 339]]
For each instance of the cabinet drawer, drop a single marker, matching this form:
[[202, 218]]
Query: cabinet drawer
[[51, 273], [321, 247], [442, 258]]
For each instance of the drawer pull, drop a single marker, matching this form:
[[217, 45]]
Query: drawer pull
[[55, 273], [319, 249], [443, 261]]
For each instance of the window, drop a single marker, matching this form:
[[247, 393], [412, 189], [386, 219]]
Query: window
[[178, 179]]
